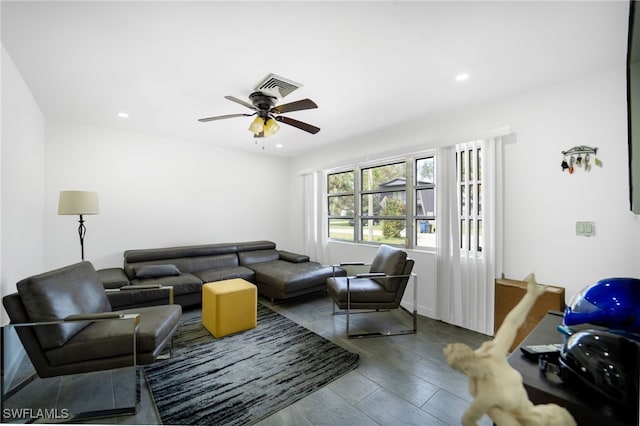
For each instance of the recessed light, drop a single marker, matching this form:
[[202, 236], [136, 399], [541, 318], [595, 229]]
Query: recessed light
[[123, 115], [462, 77], [279, 145]]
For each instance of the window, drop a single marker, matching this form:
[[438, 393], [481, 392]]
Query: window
[[425, 202], [383, 204], [469, 176], [341, 213], [387, 203]]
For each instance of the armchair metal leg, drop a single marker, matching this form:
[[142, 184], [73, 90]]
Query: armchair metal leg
[[413, 313], [168, 355]]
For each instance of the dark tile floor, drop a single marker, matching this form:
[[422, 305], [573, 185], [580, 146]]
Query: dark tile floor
[[400, 379]]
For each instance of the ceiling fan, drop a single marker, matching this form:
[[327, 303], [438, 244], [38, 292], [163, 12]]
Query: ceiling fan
[[268, 114]]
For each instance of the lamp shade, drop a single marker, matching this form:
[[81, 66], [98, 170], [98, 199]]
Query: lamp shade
[[78, 202], [271, 127], [257, 125]]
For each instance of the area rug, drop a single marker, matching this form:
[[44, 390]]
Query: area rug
[[242, 378]]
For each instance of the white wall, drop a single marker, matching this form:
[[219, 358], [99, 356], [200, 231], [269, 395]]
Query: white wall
[[542, 204], [156, 192], [22, 190], [21, 197]]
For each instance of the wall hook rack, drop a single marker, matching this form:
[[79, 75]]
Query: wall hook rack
[[579, 156]]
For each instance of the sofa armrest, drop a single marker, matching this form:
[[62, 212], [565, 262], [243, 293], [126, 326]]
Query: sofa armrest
[[140, 295], [113, 277], [371, 275], [90, 318], [93, 317], [352, 268], [293, 257]]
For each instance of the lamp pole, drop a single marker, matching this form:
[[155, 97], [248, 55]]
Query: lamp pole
[[82, 230]]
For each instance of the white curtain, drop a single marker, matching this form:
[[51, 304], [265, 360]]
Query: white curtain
[[465, 278], [314, 204]]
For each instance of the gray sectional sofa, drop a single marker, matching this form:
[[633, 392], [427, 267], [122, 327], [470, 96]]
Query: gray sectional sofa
[[278, 274]]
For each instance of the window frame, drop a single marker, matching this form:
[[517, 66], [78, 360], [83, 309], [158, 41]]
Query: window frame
[[470, 195], [409, 189], [331, 195]]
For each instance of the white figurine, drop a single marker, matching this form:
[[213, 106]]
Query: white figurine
[[496, 387]]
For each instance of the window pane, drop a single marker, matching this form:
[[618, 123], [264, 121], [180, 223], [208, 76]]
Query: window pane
[[384, 177], [479, 199], [341, 205], [463, 163], [463, 199], [341, 229], [388, 231], [425, 171], [426, 233], [339, 183], [384, 204], [463, 234], [471, 199], [425, 202], [479, 154], [480, 236]]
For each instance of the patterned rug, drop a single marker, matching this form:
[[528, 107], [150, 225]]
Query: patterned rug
[[242, 378]]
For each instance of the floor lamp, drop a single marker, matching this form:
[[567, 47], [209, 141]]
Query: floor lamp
[[80, 203]]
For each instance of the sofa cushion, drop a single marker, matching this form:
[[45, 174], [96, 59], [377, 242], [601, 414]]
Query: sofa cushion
[[156, 322], [287, 277], [363, 290], [112, 277], [293, 257], [390, 261], [155, 271], [188, 264], [54, 295], [182, 284], [258, 256], [212, 275]]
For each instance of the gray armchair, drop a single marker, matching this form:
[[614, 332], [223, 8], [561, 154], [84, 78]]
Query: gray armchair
[[376, 287], [66, 324]]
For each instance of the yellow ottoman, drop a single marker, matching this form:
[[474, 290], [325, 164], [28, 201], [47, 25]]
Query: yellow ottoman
[[229, 306]]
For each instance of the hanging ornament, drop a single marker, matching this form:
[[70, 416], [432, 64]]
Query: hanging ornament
[[579, 156], [587, 166]]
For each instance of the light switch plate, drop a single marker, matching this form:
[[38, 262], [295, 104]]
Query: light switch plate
[[585, 229]]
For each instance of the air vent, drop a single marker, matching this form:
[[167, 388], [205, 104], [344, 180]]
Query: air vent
[[275, 85]]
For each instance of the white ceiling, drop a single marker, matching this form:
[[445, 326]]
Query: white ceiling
[[367, 64]]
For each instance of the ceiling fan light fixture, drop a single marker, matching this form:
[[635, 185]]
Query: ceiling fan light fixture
[[271, 127], [257, 125]]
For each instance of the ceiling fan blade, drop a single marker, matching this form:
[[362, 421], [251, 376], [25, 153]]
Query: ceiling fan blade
[[294, 106], [222, 117], [241, 102], [299, 124]]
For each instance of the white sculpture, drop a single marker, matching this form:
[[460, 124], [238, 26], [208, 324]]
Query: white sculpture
[[496, 387]]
